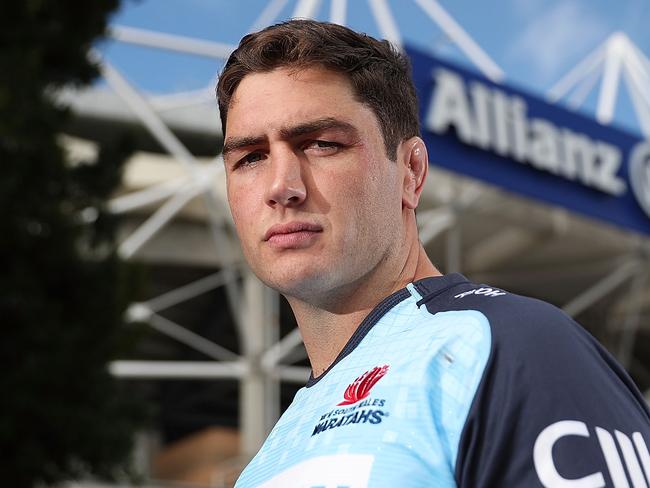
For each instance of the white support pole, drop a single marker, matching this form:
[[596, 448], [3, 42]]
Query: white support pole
[[174, 101], [387, 25], [611, 78], [466, 44], [191, 290], [632, 322], [151, 120], [166, 138], [170, 42], [500, 247], [605, 285], [148, 196], [293, 374], [259, 392], [338, 9], [637, 80], [278, 351], [583, 88], [271, 331], [268, 15], [641, 107], [436, 222], [191, 339], [217, 213], [306, 9], [193, 370], [297, 354], [639, 56], [639, 68], [153, 224], [573, 77], [144, 112]]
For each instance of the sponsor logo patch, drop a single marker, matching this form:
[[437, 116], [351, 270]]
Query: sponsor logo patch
[[360, 408], [633, 448], [486, 291], [360, 388]]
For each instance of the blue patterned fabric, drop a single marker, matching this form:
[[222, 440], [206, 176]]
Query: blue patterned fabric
[[447, 383], [409, 425]]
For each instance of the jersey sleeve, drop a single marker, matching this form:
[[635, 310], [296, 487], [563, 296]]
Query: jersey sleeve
[[553, 408]]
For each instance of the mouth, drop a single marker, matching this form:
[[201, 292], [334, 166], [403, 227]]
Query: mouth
[[292, 234]]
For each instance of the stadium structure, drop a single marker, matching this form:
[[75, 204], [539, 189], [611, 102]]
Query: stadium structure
[[224, 356]]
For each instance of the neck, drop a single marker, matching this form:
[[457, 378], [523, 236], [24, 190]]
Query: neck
[[327, 328]]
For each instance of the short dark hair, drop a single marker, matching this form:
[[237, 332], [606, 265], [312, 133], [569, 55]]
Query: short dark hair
[[380, 75]]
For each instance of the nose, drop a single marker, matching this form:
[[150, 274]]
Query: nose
[[286, 187]]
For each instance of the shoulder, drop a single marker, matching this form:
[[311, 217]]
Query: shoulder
[[544, 373], [523, 327], [535, 343]]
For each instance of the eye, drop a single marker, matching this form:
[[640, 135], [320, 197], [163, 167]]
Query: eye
[[322, 147], [249, 160]]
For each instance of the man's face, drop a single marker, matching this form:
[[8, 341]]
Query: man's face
[[315, 200]]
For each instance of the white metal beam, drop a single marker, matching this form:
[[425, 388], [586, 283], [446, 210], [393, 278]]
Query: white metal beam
[[582, 69], [191, 290], [611, 78], [636, 63], [637, 79], [297, 354], [385, 21], [190, 339], [434, 223], [151, 120], [268, 15], [466, 44], [144, 111], [148, 196], [292, 374], [583, 89], [306, 9], [338, 9], [259, 392], [605, 285], [206, 370], [281, 349], [641, 106], [155, 222], [170, 42], [180, 100], [499, 248]]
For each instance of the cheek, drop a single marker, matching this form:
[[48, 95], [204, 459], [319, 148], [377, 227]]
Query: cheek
[[242, 212]]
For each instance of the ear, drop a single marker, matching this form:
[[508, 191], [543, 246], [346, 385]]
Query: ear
[[415, 160]]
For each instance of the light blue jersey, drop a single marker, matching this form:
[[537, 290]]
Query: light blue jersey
[[405, 395]]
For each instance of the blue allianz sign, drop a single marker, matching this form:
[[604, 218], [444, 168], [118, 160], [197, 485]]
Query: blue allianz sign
[[522, 143]]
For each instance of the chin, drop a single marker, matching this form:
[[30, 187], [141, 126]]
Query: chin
[[301, 285]]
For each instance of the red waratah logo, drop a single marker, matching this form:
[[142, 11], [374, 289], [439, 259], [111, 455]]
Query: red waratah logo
[[360, 388]]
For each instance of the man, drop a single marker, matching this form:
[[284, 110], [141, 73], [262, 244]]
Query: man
[[417, 379]]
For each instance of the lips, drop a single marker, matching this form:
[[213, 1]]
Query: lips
[[292, 234]]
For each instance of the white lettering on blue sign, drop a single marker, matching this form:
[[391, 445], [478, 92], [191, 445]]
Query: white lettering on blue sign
[[491, 119]]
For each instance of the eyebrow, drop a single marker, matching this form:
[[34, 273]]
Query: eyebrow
[[234, 143]]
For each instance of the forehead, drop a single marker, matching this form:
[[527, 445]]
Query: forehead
[[284, 96]]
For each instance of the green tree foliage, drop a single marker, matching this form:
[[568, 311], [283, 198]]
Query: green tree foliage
[[62, 288]]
